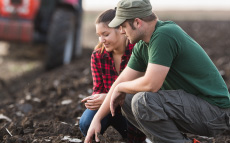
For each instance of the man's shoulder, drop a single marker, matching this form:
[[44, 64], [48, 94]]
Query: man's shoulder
[[166, 26], [167, 29]]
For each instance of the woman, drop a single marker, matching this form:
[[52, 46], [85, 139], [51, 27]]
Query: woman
[[108, 60]]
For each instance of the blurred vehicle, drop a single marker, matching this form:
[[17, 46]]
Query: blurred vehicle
[[54, 22]]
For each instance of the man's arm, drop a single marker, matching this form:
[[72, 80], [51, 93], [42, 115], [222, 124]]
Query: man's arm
[[151, 81], [128, 74]]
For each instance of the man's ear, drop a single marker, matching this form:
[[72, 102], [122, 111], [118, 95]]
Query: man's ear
[[138, 22]]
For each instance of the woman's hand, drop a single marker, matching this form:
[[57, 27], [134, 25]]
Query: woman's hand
[[94, 129], [94, 102]]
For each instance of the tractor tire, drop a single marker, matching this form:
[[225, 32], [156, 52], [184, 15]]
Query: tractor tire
[[62, 37]]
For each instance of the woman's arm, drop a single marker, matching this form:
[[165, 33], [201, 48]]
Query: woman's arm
[[127, 75], [94, 101], [98, 85]]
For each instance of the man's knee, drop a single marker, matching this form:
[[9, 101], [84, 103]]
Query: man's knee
[[142, 98], [146, 106], [129, 99], [136, 97], [138, 102]]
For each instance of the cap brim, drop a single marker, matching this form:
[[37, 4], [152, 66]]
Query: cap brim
[[116, 22]]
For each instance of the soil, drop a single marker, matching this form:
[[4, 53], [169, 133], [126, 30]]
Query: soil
[[44, 106]]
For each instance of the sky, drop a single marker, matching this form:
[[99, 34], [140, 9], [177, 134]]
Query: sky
[[164, 4]]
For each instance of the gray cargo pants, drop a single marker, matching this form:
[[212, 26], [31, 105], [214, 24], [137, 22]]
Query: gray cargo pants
[[163, 116]]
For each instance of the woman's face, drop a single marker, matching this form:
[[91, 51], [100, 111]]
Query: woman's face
[[110, 37]]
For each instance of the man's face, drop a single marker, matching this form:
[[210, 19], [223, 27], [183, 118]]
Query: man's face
[[131, 33]]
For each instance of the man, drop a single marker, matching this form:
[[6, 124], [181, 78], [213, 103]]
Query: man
[[170, 86]]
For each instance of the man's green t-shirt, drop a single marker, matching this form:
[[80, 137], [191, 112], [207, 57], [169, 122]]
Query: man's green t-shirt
[[191, 69]]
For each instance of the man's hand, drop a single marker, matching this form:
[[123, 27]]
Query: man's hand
[[94, 102], [117, 98], [94, 129]]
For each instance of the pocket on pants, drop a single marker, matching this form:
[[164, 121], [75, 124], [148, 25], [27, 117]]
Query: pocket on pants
[[219, 125], [175, 105]]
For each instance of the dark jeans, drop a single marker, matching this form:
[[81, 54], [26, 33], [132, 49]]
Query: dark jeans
[[118, 122]]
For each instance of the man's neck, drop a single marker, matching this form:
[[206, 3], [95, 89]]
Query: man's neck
[[149, 29]]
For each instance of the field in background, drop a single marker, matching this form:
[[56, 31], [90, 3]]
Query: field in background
[[90, 38], [18, 59], [45, 106]]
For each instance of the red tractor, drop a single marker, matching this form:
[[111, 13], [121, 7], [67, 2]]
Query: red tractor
[[54, 22]]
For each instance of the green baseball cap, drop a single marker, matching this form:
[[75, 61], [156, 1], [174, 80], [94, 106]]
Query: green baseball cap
[[130, 9]]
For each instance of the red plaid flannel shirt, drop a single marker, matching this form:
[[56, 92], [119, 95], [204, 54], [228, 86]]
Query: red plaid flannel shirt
[[103, 69], [104, 74]]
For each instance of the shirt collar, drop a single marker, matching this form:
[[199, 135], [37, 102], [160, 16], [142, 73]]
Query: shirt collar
[[106, 54]]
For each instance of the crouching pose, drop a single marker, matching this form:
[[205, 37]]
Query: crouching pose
[[108, 60], [170, 85]]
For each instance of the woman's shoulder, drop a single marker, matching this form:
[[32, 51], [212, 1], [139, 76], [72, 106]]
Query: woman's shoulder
[[97, 53]]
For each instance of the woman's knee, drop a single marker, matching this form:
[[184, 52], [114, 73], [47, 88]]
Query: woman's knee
[[84, 125], [86, 120]]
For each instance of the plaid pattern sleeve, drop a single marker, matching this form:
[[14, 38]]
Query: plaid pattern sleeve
[[104, 74], [98, 85]]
